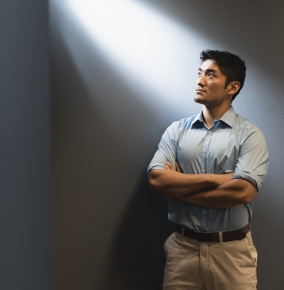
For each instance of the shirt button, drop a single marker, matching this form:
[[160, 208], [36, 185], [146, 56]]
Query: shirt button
[[209, 132], [203, 170]]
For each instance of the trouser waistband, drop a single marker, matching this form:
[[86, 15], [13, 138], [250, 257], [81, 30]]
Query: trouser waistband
[[219, 237]]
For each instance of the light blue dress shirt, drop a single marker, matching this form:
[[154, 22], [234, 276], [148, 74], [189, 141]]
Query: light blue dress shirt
[[232, 144]]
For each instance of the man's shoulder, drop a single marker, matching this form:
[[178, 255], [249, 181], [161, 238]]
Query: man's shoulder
[[180, 126], [244, 122], [185, 121], [247, 127]]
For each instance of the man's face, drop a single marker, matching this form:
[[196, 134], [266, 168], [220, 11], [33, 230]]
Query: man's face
[[210, 85]]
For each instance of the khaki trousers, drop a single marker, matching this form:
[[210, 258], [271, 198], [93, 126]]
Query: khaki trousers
[[194, 265]]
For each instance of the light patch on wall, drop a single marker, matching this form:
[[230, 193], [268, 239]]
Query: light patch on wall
[[147, 48]]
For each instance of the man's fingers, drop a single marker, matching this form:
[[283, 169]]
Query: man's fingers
[[225, 177], [169, 166], [229, 175], [178, 167]]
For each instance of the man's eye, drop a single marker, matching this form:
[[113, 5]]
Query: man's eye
[[210, 74]]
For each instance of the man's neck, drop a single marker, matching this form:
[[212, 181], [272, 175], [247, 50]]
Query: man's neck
[[212, 114]]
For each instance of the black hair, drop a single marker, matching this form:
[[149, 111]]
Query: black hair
[[231, 66]]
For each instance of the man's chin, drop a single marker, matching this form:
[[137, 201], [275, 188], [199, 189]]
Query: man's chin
[[198, 99]]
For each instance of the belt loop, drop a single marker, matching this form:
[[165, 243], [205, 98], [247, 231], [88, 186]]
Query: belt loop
[[182, 231], [220, 238]]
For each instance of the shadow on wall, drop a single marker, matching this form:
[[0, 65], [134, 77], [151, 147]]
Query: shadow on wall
[[108, 228], [137, 256]]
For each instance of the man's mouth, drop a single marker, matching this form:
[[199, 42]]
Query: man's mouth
[[199, 90]]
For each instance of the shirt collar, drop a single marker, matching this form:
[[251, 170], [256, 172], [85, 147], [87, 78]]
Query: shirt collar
[[229, 117]]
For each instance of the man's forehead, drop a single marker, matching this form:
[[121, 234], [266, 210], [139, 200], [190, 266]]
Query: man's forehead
[[210, 65]]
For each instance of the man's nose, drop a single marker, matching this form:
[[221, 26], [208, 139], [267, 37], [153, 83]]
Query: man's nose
[[201, 80]]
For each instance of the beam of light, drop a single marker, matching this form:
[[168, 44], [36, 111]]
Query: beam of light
[[147, 48]]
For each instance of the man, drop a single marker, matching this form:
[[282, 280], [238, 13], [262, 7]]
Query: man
[[211, 167]]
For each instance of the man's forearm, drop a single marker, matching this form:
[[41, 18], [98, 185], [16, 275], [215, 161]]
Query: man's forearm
[[234, 192], [175, 184]]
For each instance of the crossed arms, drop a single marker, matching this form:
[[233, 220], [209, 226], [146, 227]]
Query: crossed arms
[[209, 190]]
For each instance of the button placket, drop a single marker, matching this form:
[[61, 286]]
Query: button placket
[[205, 149], [204, 216]]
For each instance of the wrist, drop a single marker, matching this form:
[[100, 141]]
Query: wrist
[[217, 180], [212, 180]]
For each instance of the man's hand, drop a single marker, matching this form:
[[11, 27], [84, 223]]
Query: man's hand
[[223, 178], [170, 167]]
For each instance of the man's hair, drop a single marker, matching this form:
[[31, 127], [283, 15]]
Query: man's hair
[[231, 66]]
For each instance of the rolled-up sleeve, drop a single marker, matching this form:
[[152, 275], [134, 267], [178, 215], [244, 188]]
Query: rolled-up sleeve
[[166, 149], [252, 162]]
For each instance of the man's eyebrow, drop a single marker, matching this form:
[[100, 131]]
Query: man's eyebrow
[[208, 70]]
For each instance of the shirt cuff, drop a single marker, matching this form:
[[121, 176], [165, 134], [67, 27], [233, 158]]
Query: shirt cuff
[[156, 165], [249, 176]]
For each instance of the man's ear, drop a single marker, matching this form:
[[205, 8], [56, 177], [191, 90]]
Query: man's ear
[[233, 87]]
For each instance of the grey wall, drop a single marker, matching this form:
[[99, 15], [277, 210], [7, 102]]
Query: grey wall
[[108, 116], [25, 200]]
